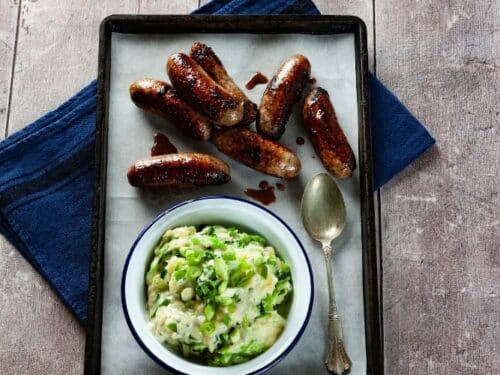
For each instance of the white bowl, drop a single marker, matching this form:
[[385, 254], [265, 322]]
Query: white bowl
[[226, 211]]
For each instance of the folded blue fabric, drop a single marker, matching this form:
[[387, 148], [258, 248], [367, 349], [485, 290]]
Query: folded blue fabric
[[46, 170], [46, 178]]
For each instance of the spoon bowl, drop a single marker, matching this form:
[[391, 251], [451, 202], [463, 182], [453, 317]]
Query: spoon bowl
[[323, 209]]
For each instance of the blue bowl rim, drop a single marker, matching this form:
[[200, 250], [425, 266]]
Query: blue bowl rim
[[160, 362]]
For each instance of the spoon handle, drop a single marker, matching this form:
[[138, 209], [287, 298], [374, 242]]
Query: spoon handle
[[337, 359]]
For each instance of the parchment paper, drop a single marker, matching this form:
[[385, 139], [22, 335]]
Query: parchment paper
[[128, 210]]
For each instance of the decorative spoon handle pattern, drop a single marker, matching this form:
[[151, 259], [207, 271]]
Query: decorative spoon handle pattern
[[337, 360]]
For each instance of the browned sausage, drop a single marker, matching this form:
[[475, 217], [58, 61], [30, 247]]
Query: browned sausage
[[210, 62], [327, 137], [178, 170], [256, 152], [160, 98], [196, 87], [283, 91]]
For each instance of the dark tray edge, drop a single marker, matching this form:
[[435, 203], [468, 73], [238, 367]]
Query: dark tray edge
[[269, 24]]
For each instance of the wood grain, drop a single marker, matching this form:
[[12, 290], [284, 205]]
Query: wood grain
[[57, 51], [441, 235], [8, 26], [167, 7]]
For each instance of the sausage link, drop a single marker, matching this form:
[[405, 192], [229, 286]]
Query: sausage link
[[210, 62], [283, 91], [179, 170], [160, 98], [251, 149], [327, 137], [196, 87]]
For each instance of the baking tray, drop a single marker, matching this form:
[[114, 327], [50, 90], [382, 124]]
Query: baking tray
[[340, 39]]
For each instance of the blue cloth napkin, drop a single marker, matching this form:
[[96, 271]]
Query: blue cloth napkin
[[46, 170], [46, 178]]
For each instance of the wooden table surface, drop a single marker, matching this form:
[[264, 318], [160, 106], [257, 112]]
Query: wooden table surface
[[439, 218]]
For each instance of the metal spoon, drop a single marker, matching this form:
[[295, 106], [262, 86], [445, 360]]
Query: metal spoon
[[324, 217]]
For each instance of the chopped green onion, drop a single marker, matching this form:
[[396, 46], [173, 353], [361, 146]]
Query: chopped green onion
[[241, 274], [165, 302], [258, 261], [220, 269], [223, 338], [162, 257], [284, 270], [222, 286], [222, 360], [172, 326], [235, 277], [271, 260], [267, 303], [209, 311], [207, 328], [154, 268], [194, 257], [193, 272], [206, 290], [206, 284], [228, 255], [207, 255], [224, 301], [216, 243], [245, 239], [262, 270], [179, 274], [235, 335], [255, 237], [157, 249]]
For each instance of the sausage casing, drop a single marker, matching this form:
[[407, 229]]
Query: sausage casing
[[160, 98], [198, 89], [210, 62], [283, 91], [327, 137], [253, 150], [179, 170]]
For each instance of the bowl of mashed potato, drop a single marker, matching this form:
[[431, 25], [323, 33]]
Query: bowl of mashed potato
[[217, 285]]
